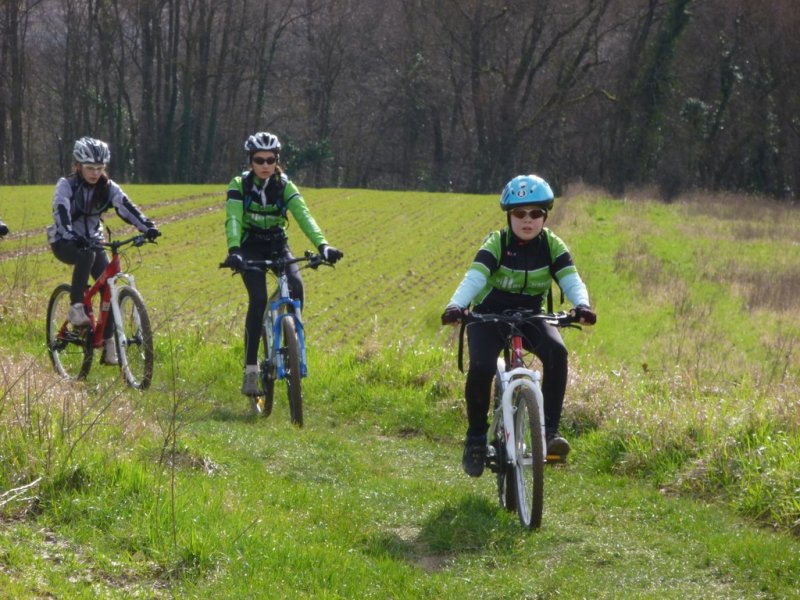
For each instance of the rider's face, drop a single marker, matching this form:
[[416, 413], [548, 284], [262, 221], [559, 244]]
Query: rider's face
[[527, 222], [268, 161], [91, 173]]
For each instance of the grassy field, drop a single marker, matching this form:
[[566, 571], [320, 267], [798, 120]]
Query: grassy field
[[682, 409]]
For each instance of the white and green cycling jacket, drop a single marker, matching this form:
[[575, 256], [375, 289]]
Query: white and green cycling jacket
[[509, 273]]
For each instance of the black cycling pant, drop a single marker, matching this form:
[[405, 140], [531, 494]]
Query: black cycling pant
[[485, 342], [86, 261], [256, 284]]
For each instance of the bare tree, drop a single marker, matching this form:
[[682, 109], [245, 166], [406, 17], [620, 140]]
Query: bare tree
[[12, 86]]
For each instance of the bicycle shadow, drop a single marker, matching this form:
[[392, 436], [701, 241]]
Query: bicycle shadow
[[469, 525]]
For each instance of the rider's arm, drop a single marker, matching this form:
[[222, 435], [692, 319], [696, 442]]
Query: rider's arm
[[471, 285], [565, 273], [297, 206], [574, 289], [126, 209], [62, 219], [234, 213]]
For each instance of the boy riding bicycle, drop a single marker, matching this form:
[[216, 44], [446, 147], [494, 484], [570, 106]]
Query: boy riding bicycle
[[256, 220], [79, 201], [513, 269]]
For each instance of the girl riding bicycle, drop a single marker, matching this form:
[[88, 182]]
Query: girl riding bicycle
[[79, 201], [256, 220], [513, 269]]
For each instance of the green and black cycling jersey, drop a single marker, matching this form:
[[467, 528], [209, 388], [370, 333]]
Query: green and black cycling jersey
[[255, 206], [509, 273]]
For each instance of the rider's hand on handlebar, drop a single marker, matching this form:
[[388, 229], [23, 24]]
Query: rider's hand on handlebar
[[234, 260], [330, 254], [584, 314], [71, 236], [452, 314], [151, 234]]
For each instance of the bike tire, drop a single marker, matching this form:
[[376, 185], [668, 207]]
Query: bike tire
[[267, 369], [136, 353], [506, 481], [529, 465], [291, 363], [70, 348]]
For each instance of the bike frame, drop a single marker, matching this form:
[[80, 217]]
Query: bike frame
[[106, 287], [519, 375]]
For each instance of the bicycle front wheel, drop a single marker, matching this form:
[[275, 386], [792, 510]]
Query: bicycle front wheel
[[135, 351], [529, 465], [291, 363], [70, 348]]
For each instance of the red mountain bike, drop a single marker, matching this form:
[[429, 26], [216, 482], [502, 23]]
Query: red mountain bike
[[72, 348]]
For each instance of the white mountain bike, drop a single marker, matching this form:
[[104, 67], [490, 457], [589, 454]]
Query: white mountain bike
[[516, 450]]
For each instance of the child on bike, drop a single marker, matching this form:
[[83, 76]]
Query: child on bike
[[79, 201], [256, 219], [3, 228], [513, 269]]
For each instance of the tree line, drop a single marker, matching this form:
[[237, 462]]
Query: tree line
[[409, 94]]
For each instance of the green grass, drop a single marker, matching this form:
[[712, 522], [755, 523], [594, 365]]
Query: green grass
[[681, 409]]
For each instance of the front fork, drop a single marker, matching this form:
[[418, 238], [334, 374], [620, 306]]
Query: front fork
[[511, 380], [117, 313], [276, 356]]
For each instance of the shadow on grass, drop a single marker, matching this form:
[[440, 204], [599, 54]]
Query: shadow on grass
[[469, 525], [241, 414]]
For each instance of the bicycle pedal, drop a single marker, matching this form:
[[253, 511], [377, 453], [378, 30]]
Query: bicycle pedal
[[257, 404], [555, 459]]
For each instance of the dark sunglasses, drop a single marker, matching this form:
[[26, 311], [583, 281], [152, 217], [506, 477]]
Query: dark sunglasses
[[534, 213], [270, 160]]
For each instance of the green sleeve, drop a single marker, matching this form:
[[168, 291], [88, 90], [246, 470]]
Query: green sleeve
[[560, 257], [297, 206], [234, 213]]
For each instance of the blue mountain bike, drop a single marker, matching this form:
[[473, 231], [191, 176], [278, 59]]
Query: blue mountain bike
[[282, 352]]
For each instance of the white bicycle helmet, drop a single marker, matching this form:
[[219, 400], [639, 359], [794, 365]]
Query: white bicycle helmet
[[88, 150], [263, 140]]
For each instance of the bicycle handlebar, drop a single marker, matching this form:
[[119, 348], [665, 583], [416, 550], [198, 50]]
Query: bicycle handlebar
[[313, 260], [136, 240], [521, 316]]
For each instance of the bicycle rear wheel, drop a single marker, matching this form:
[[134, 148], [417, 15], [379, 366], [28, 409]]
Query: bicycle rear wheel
[[506, 481], [70, 348], [291, 363], [529, 465], [136, 350]]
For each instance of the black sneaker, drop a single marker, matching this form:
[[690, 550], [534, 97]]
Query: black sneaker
[[474, 456], [557, 447]]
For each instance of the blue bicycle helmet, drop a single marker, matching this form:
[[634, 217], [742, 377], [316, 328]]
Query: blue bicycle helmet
[[525, 190]]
